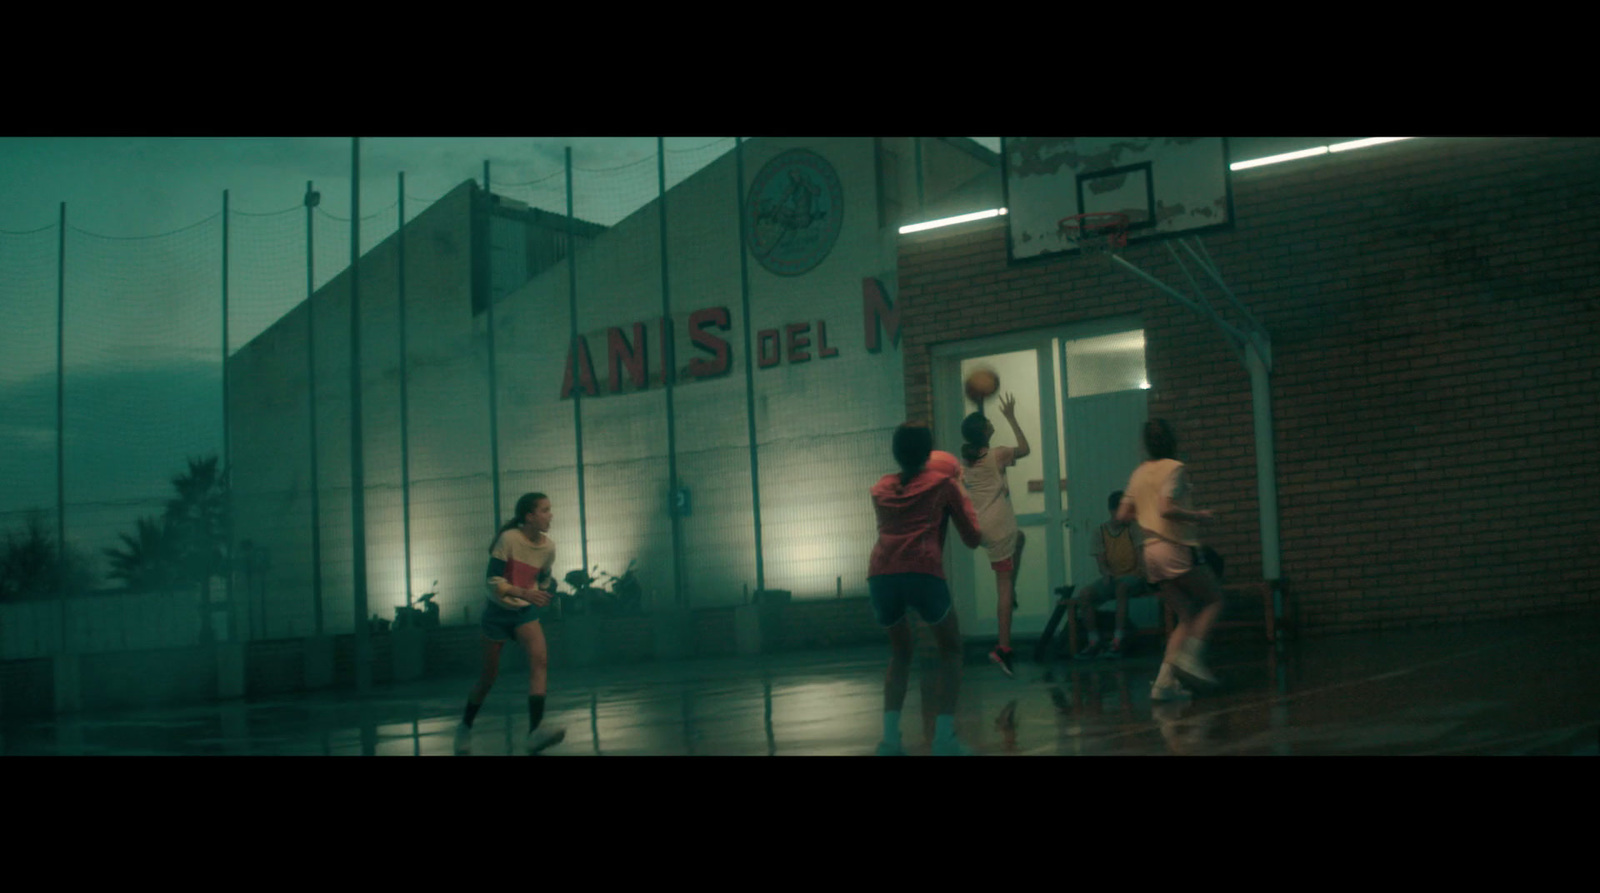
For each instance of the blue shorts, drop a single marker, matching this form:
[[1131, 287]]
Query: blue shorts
[[893, 593], [500, 623]]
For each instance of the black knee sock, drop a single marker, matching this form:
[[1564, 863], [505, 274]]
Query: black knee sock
[[471, 714], [535, 711]]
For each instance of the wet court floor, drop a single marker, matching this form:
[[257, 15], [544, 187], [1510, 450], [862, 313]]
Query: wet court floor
[[1500, 688]]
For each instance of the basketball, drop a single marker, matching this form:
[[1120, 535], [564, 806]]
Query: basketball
[[941, 462], [981, 384]]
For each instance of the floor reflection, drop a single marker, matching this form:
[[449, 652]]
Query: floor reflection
[[1523, 689]]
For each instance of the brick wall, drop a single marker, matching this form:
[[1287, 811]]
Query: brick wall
[[1433, 308]]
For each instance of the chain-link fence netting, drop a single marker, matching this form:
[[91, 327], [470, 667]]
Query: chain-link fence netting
[[625, 355]]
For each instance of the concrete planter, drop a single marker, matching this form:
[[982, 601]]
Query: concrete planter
[[581, 638], [408, 651], [67, 671], [319, 662], [230, 669], [674, 634], [771, 605], [747, 630]]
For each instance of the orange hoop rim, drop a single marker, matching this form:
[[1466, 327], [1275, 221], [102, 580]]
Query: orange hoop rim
[[1085, 229]]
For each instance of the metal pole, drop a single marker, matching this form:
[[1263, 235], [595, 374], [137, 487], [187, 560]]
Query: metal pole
[[1236, 339], [494, 385], [405, 449], [227, 454], [61, 422], [1206, 263], [1157, 283], [61, 392], [1255, 352], [1266, 464], [577, 390], [311, 200], [358, 478], [749, 367], [917, 142], [670, 368]]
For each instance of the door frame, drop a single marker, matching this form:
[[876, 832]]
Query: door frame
[[949, 409]]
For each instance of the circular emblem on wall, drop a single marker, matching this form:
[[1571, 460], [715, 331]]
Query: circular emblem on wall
[[793, 212]]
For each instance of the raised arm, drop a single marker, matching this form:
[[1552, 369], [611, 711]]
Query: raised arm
[[1008, 408]]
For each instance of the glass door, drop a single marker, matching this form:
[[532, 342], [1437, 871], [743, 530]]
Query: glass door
[[1080, 400], [1027, 368]]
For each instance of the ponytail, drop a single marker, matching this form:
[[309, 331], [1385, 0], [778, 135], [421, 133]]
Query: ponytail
[[912, 444], [527, 503], [975, 431]]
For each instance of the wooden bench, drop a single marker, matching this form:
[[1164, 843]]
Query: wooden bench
[[1231, 592]]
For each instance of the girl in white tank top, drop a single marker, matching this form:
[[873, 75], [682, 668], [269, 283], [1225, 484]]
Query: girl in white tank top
[[985, 479]]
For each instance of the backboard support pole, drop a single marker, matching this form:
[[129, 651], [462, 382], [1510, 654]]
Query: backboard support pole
[[1254, 348]]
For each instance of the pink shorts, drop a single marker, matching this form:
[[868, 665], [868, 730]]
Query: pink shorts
[[1006, 566], [1165, 560]]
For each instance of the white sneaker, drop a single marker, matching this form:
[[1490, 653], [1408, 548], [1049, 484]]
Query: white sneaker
[[463, 739], [1191, 664], [950, 747], [1172, 691], [543, 737]]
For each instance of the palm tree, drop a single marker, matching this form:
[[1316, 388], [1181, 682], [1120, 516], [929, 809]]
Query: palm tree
[[188, 544], [34, 565], [199, 520], [148, 561]]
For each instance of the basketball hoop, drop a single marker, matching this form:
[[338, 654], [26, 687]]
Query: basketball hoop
[[1099, 233]]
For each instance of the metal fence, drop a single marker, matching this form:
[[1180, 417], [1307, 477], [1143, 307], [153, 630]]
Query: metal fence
[[129, 363]]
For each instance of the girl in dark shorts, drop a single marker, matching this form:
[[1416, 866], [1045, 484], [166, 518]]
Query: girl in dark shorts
[[519, 572], [906, 570]]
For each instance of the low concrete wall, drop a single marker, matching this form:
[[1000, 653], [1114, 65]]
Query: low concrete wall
[[121, 679]]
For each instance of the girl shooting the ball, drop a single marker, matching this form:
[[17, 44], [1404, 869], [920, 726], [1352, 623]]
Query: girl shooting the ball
[[986, 482]]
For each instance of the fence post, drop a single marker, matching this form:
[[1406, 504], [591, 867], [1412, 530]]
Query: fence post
[[358, 477], [749, 366], [312, 199], [484, 254], [572, 356], [405, 454], [670, 370]]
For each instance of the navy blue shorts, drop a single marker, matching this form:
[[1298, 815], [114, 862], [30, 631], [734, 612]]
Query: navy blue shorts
[[893, 593], [500, 623]]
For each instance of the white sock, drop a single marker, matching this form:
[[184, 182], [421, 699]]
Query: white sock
[[944, 727], [1094, 637], [1165, 678], [891, 726], [1192, 646], [1119, 634]]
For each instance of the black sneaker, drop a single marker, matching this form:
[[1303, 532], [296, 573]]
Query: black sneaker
[[1004, 657]]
